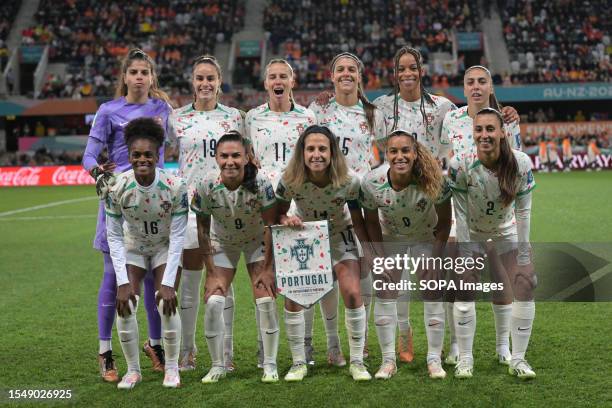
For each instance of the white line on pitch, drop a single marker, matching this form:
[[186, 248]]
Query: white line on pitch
[[49, 217], [52, 204]]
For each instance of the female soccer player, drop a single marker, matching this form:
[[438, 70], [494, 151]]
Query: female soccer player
[[241, 202], [197, 128], [493, 199], [567, 153], [318, 182], [137, 95], [592, 153], [413, 201], [153, 205], [358, 125], [458, 129], [274, 128]]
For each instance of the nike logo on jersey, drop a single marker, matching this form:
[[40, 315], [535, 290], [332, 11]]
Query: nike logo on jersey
[[122, 124], [129, 206], [464, 323]]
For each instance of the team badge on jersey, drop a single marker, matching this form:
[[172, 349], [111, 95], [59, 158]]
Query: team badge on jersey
[[302, 252], [166, 206], [421, 205], [339, 201], [363, 126], [300, 128], [226, 126]]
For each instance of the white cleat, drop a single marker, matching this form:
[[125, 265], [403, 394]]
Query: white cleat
[[297, 372], [359, 372], [214, 375], [436, 372], [387, 370], [129, 381], [464, 369], [172, 379], [521, 369], [504, 358], [335, 357], [270, 374], [187, 361], [453, 355]]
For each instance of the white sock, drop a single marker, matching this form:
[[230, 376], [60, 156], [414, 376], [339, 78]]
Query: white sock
[[171, 333], [403, 312], [465, 327], [127, 327], [214, 328], [189, 305], [502, 315], [269, 328], [433, 313], [523, 314], [105, 345], [385, 319], [355, 320], [309, 321], [228, 318], [366, 298], [294, 324], [329, 311], [450, 319]]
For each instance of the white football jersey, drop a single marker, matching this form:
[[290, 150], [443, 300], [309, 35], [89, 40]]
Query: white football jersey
[[147, 211], [411, 120], [197, 133], [408, 213], [274, 135], [236, 215], [458, 127], [350, 126], [487, 216], [314, 203]]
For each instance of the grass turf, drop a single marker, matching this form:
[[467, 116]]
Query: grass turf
[[50, 276]]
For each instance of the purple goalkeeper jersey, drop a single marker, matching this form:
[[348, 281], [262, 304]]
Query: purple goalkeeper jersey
[[107, 131]]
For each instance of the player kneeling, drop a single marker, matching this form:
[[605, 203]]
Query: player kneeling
[[146, 217], [241, 203]]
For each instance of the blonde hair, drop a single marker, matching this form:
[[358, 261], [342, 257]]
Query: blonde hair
[[291, 72], [136, 54], [210, 60], [425, 170], [296, 172]]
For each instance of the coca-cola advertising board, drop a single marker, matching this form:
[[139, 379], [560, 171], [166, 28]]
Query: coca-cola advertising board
[[44, 176]]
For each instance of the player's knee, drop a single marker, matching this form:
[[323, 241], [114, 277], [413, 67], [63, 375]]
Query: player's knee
[[465, 308], [170, 335]]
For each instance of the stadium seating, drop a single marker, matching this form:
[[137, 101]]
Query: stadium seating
[[89, 35], [313, 31], [8, 12], [558, 41]]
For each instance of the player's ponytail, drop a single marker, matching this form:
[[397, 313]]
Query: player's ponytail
[[507, 166], [368, 106], [249, 181]]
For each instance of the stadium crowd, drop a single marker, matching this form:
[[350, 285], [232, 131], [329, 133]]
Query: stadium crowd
[[90, 36], [8, 12], [311, 32], [558, 41]]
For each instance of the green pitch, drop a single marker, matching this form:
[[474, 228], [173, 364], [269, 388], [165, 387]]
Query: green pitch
[[48, 332]]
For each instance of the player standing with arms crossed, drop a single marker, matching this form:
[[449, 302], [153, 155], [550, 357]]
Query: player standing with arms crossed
[[274, 128], [318, 181], [241, 202], [197, 128], [493, 199], [153, 204], [458, 128], [137, 95], [407, 210]]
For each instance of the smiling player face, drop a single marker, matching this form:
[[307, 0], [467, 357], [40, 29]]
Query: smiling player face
[[206, 83], [143, 158], [401, 154], [231, 158], [346, 76], [488, 132], [408, 74], [317, 153]]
